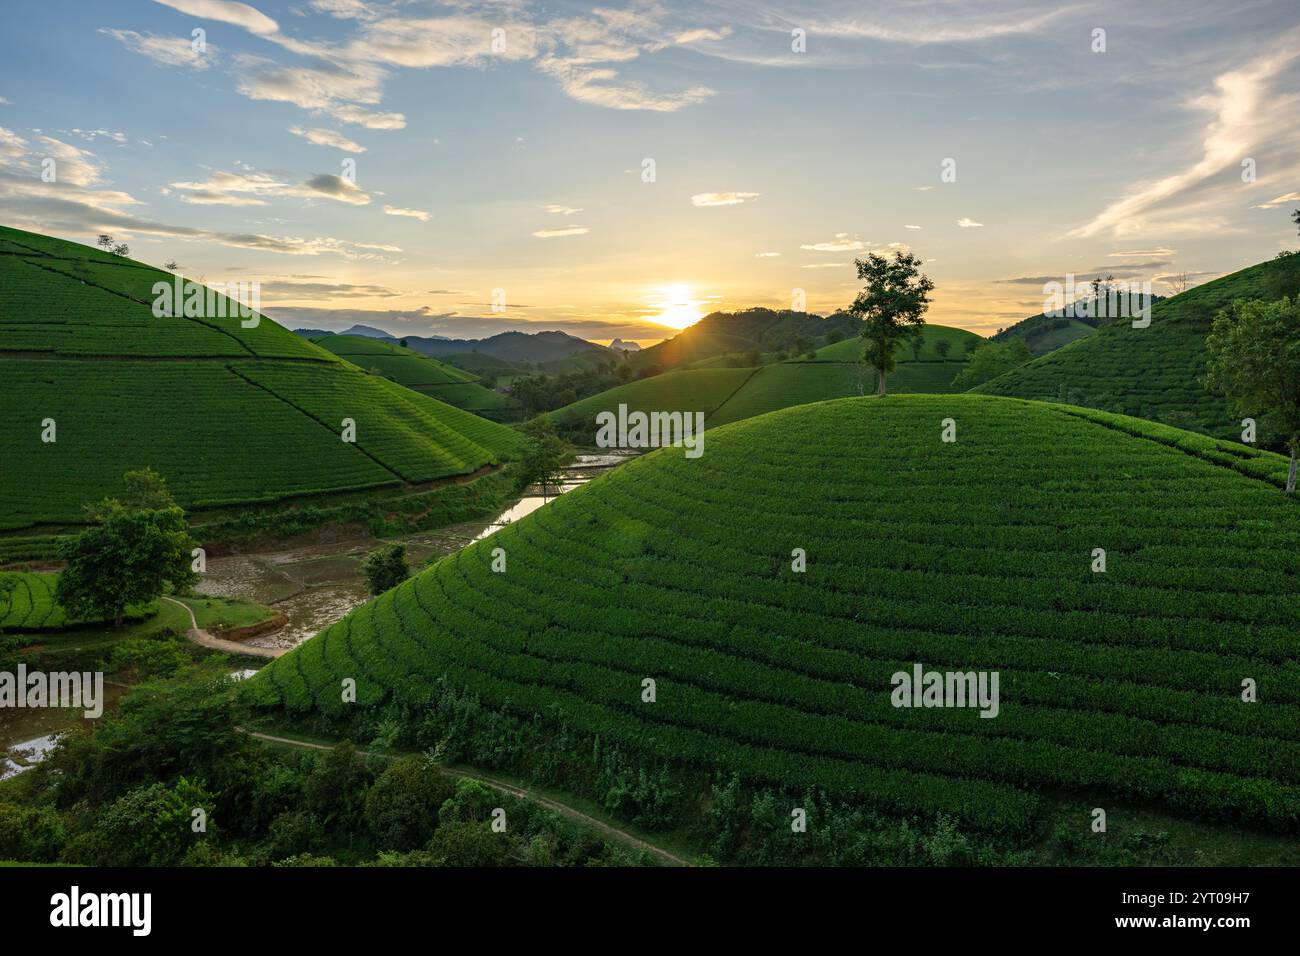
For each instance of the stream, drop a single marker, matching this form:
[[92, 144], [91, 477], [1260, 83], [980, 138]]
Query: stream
[[318, 584]]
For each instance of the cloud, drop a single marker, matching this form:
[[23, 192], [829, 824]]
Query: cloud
[[825, 265], [702, 35], [284, 289], [599, 86], [561, 210], [1158, 251], [336, 187], [167, 51], [722, 199], [327, 137], [561, 233], [969, 223], [1279, 201], [1243, 113], [766, 255], [344, 9], [253, 188], [840, 244], [72, 165], [225, 11], [73, 211], [912, 227], [419, 214], [922, 189]]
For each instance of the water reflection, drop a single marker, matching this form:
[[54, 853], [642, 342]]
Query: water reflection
[[316, 585]]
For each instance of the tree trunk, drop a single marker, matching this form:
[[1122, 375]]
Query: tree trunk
[[1290, 475], [880, 381]]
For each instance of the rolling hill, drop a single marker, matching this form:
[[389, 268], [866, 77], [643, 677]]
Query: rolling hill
[[970, 556], [728, 394], [763, 330], [1155, 372], [419, 373], [84, 361]]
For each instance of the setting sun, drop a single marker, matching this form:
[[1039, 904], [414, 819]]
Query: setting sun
[[677, 309]]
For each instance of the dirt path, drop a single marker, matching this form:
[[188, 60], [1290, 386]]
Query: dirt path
[[199, 636], [622, 836]]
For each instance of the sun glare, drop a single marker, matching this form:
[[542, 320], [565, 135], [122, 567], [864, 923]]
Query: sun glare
[[676, 308]]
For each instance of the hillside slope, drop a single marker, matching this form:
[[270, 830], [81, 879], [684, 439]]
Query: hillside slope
[[417, 372], [1156, 372], [966, 556], [730, 394], [228, 415]]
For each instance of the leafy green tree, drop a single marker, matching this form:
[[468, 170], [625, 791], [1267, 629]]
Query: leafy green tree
[[462, 843], [149, 826], [1254, 359], [335, 788], [544, 452], [892, 307], [943, 347], [138, 547], [753, 358], [385, 568], [402, 805], [917, 343], [992, 359]]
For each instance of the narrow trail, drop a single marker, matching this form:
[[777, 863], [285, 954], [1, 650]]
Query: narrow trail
[[202, 637], [501, 786]]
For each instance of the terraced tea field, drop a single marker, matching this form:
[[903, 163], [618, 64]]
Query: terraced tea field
[[730, 394], [229, 415], [974, 555], [30, 606], [418, 372], [1156, 372]]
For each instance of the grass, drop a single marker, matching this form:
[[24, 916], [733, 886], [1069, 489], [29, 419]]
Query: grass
[[218, 614], [229, 416], [730, 394], [972, 555], [1156, 372]]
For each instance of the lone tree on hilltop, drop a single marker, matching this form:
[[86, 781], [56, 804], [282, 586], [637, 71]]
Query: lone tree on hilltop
[[1254, 359], [138, 546], [892, 307]]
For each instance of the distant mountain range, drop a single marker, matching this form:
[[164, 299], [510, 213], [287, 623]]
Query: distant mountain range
[[621, 346], [533, 348]]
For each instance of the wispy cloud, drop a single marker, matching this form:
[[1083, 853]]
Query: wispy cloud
[[327, 137], [254, 188], [419, 214], [1242, 112], [722, 199], [966, 223], [167, 51], [561, 233]]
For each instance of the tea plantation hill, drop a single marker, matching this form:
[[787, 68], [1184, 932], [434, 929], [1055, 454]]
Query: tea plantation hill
[[420, 373], [1155, 372], [230, 416], [730, 394], [967, 556]]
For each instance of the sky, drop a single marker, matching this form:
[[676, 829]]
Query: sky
[[468, 167]]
